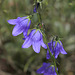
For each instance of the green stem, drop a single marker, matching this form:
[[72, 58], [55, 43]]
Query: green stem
[[39, 16], [52, 57]]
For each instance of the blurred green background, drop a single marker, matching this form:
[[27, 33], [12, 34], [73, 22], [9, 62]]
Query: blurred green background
[[59, 19]]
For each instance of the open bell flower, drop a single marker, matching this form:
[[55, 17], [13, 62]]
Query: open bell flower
[[55, 47], [22, 24], [46, 69], [35, 39]]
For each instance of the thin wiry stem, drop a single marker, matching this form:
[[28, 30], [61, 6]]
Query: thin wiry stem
[[44, 35], [52, 57]]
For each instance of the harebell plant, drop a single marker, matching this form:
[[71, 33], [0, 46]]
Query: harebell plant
[[37, 38]]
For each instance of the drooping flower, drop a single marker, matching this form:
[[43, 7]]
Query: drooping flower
[[35, 39], [55, 47], [36, 7], [46, 69], [22, 24]]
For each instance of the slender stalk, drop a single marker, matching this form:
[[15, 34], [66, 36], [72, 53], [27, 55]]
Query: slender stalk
[[52, 57]]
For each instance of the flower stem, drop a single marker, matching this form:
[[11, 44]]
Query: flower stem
[[52, 57], [44, 35]]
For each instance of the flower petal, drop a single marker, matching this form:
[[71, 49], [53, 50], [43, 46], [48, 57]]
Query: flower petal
[[56, 54], [44, 68], [12, 21], [37, 36], [34, 9], [27, 43], [17, 30], [57, 51], [40, 70], [48, 55], [26, 31], [63, 51], [46, 73], [43, 44], [23, 22], [36, 46]]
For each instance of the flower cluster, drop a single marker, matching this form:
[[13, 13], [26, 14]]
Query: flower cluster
[[35, 38], [55, 47]]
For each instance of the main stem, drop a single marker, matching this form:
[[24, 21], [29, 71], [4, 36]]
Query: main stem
[[52, 57]]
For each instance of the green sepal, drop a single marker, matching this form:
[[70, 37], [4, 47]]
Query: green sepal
[[36, 31], [60, 43], [28, 17], [52, 65], [56, 43]]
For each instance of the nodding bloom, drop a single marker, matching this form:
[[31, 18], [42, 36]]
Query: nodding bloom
[[22, 24], [46, 69], [35, 39], [36, 7], [55, 47]]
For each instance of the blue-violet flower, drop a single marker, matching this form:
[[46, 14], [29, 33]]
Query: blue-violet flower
[[55, 47], [22, 24], [36, 7], [35, 39], [46, 69]]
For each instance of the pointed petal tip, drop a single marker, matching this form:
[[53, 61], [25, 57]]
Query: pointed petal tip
[[14, 34], [22, 46], [63, 51], [36, 51], [56, 57], [43, 45], [12, 21], [36, 46], [47, 57], [27, 43]]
